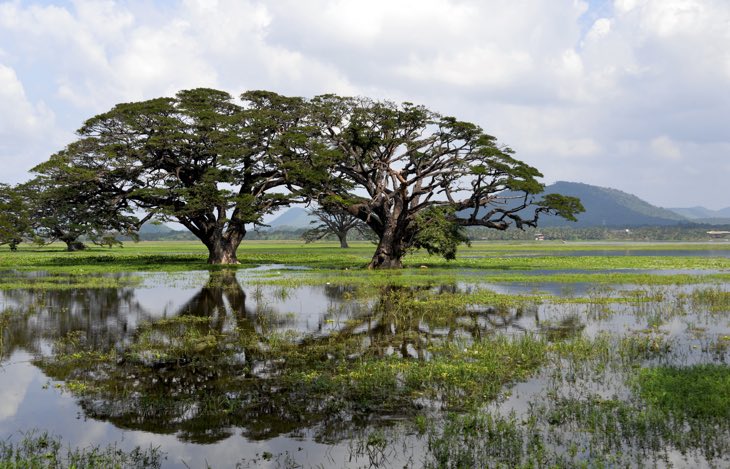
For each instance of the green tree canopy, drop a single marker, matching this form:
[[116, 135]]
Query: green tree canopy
[[406, 171], [413, 176], [68, 201], [199, 159], [15, 222]]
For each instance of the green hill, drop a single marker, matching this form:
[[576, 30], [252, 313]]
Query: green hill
[[155, 228], [159, 231], [610, 208], [604, 207]]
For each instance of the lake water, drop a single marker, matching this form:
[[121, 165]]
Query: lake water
[[109, 319]]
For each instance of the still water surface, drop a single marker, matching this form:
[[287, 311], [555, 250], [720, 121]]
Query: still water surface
[[109, 318]]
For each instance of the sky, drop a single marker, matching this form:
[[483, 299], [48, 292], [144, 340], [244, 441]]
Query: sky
[[628, 94]]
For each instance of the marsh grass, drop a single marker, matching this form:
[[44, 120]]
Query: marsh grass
[[601, 407], [414, 351], [713, 299], [177, 256], [42, 450], [695, 392]]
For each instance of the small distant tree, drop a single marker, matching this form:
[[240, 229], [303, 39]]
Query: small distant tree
[[15, 222], [334, 221]]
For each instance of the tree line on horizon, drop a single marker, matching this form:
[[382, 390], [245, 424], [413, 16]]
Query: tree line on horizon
[[217, 167]]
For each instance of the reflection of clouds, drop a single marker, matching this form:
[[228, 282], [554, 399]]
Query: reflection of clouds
[[15, 378], [163, 294], [228, 452]]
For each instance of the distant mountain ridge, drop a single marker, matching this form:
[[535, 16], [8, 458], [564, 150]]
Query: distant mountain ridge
[[293, 219], [605, 207], [155, 228], [609, 207], [702, 213]]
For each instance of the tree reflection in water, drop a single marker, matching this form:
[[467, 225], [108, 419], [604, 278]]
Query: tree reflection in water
[[219, 366], [44, 315]]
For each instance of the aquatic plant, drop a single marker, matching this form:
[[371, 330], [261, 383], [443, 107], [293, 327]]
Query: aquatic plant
[[37, 449]]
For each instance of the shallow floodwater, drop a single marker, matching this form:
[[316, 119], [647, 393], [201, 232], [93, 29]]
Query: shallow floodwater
[[32, 400], [110, 317]]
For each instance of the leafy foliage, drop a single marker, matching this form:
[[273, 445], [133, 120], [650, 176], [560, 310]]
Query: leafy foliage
[[68, 203], [388, 163], [438, 233], [215, 166], [15, 224], [198, 158]]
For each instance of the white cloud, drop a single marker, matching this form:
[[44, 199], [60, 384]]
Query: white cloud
[[23, 126], [559, 80], [675, 17], [572, 148], [19, 117], [21, 376], [664, 148], [479, 66], [623, 6], [601, 27]]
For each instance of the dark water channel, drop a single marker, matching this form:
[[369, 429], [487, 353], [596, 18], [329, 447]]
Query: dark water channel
[[108, 319]]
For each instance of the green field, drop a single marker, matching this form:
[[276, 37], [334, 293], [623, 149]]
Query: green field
[[502, 262]]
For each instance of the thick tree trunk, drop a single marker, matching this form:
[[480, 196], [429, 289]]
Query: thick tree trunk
[[343, 240], [388, 254], [73, 245], [222, 249], [392, 246], [222, 253]]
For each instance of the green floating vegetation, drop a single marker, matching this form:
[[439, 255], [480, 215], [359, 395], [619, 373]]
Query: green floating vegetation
[[457, 377], [430, 346], [433, 276], [694, 392], [669, 418], [43, 450], [714, 300]]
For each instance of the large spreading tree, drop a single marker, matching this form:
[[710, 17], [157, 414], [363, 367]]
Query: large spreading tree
[[416, 178], [199, 159]]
